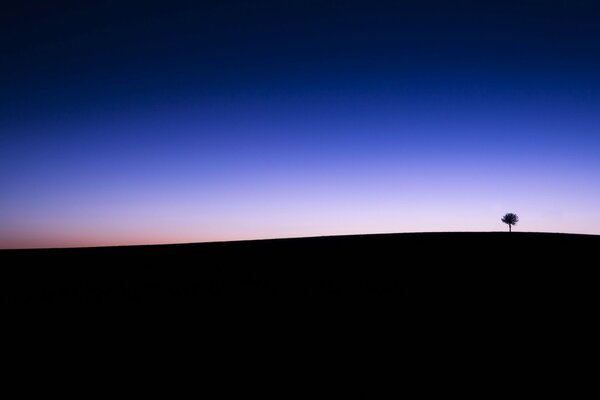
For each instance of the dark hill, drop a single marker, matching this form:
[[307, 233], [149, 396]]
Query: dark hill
[[475, 312], [426, 267]]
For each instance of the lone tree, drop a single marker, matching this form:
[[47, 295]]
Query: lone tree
[[510, 219]]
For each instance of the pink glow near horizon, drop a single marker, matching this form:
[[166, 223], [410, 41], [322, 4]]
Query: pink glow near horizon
[[285, 210]]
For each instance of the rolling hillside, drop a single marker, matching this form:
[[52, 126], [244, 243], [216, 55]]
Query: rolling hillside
[[452, 310], [416, 267]]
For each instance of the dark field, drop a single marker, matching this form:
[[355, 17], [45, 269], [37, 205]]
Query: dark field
[[442, 312], [422, 270]]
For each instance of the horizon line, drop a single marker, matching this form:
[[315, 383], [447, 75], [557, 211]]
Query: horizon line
[[291, 238]]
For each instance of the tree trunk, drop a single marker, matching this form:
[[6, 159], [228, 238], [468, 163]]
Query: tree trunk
[[509, 228]]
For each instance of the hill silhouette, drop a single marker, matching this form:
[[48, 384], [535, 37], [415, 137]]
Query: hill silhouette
[[419, 268], [443, 306]]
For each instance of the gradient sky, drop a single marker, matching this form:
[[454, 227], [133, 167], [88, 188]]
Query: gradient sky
[[127, 122]]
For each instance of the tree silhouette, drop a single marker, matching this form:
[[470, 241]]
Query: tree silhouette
[[510, 219]]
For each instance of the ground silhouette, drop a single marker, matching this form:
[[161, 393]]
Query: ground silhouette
[[398, 267], [442, 306]]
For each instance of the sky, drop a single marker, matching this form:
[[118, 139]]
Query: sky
[[125, 122]]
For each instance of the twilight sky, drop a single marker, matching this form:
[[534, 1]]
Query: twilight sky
[[126, 122]]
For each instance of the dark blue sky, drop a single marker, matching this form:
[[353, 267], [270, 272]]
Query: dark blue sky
[[138, 122]]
